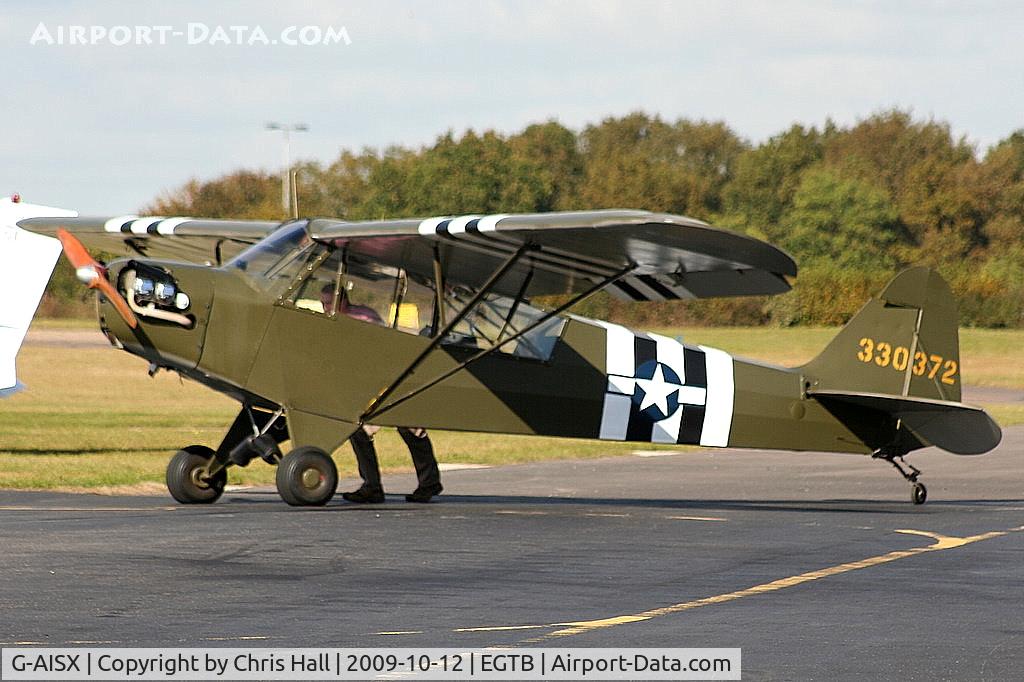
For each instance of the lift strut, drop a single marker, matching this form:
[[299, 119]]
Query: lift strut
[[378, 407]]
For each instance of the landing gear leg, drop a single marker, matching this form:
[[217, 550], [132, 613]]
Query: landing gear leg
[[253, 434], [198, 474], [918, 493]]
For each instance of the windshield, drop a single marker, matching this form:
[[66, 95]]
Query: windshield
[[260, 258]]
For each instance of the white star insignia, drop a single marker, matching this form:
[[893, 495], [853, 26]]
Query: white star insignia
[[656, 391]]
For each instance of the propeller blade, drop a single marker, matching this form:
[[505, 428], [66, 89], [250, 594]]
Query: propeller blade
[[75, 250], [94, 275], [115, 297]]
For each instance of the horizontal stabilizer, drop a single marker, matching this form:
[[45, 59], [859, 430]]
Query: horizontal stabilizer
[[954, 427]]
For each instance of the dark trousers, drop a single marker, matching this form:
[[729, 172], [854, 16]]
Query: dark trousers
[[420, 448]]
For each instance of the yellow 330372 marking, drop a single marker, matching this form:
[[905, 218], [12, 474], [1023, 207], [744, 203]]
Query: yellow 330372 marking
[[884, 354]]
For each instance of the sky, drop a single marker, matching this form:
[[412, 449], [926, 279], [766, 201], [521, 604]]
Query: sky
[[105, 127]]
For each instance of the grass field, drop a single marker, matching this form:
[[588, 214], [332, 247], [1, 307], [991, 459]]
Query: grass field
[[93, 419]]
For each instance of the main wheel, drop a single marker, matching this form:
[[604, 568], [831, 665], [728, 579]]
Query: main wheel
[[307, 476], [918, 493], [184, 476]]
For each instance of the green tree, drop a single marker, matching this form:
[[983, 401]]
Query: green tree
[[885, 147], [766, 178], [460, 175], [1001, 186], [242, 194], [929, 175], [840, 221], [640, 161], [547, 165]]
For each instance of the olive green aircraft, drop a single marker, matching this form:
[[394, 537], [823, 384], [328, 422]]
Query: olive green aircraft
[[320, 326]]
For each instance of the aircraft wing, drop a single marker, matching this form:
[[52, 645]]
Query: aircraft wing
[[674, 257], [194, 240]]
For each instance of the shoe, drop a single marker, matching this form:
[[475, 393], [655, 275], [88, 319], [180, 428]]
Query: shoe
[[424, 494], [365, 496]]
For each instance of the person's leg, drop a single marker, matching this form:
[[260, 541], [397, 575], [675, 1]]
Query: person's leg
[[427, 474], [369, 469]]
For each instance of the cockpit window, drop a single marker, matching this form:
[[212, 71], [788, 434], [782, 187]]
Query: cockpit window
[[330, 281], [380, 294], [262, 258], [496, 318]]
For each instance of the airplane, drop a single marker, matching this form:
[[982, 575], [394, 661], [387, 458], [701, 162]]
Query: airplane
[[28, 261], [276, 316]]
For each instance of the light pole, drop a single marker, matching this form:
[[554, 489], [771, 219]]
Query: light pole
[[287, 129]]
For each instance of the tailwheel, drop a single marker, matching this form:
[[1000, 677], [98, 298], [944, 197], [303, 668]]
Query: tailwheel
[[307, 476], [188, 477], [918, 493]]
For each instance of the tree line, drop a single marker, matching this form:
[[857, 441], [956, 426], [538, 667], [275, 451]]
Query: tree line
[[852, 204]]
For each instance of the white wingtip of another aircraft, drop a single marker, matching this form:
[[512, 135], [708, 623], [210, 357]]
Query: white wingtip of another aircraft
[[26, 263]]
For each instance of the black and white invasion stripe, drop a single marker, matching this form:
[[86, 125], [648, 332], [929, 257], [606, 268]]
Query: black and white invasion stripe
[[151, 225], [703, 398], [484, 233]]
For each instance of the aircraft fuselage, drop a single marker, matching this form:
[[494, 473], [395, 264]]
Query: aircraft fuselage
[[601, 380]]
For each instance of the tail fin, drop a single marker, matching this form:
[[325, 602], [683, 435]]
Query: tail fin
[[905, 342], [26, 262], [892, 375]]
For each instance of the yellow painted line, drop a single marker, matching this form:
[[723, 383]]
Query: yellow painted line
[[947, 542], [696, 518], [585, 625], [401, 632], [942, 542], [28, 643]]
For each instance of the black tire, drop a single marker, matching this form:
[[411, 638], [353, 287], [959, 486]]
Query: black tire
[[918, 494], [183, 480], [307, 477]]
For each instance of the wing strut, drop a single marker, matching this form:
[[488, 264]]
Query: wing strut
[[515, 305], [376, 409], [509, 263], [438, 320]]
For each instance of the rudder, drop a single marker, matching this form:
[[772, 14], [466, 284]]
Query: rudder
[[905, 342]]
